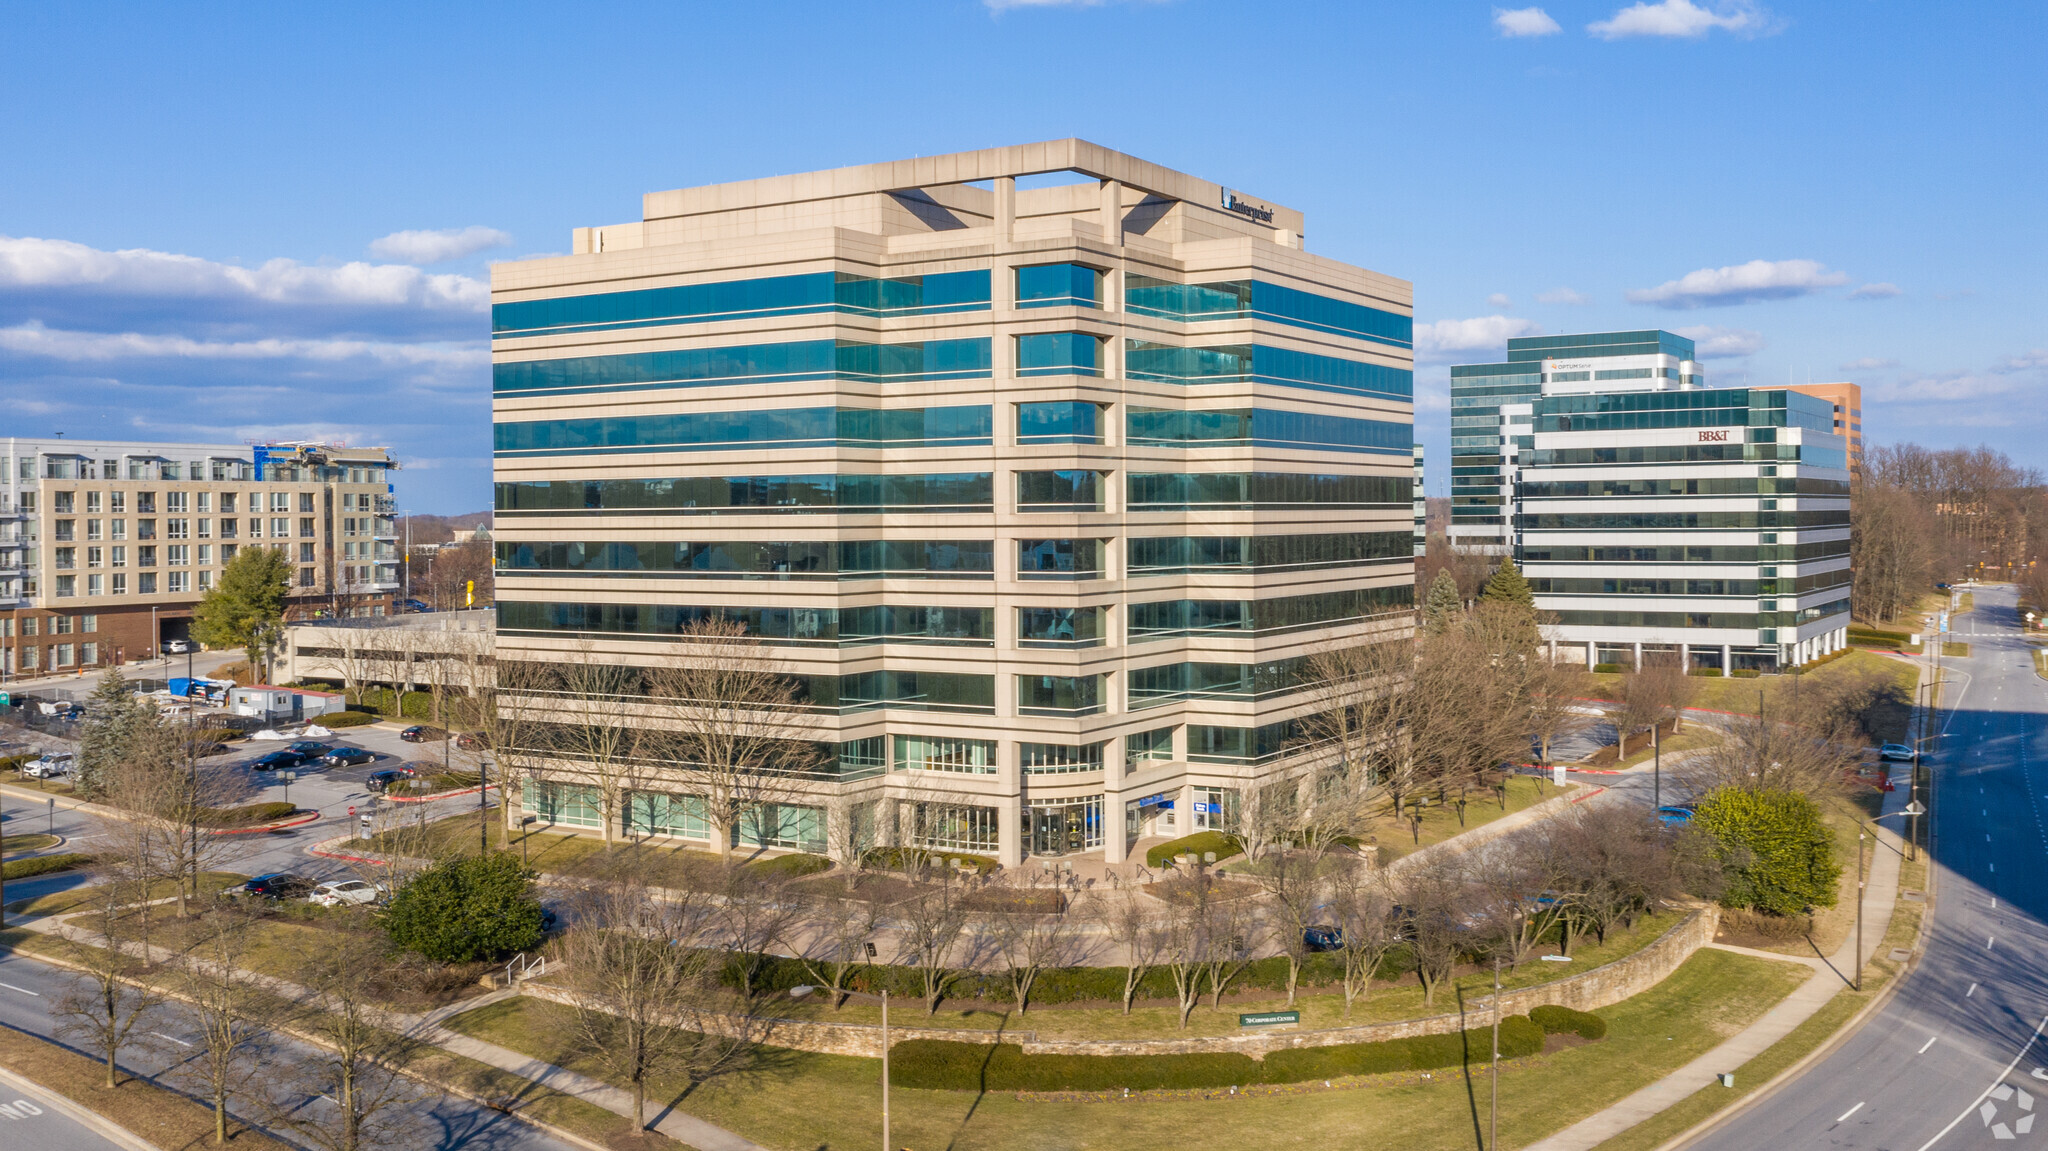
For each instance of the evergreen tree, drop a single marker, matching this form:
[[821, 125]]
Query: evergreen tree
[[1506, 586], [114, 720], [1441, 608], [246, 608]]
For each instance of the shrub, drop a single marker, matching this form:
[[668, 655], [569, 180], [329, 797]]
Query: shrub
[[791, 866], [1199, 843], [215, 735], [1744, 673], [465, 909], [14, 762], [1776, 854], [907, 858], [248, 815], [1707, 672], [44, 865], [1557, 1020], [1607, 668], [339, 719]]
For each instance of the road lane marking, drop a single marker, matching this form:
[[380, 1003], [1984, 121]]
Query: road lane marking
[[1925, 1046], [1850, 1111], [23, 990], [1986, 1094], [1971, 991], [182, 1043]]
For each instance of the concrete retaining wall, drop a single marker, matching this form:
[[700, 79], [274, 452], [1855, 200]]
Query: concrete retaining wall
[[1586, 991]]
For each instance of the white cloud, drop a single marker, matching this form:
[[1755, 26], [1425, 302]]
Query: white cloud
[[1563, 296], [1683, 19], [1711, 343], [1444, 338], [1517, 22], [1869, 364], [27, 262], [1877, 291], [423, 247], [1499, 300], [1741, 284], [33, 339]]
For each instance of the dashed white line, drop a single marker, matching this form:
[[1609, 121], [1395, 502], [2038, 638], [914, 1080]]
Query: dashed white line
[[1989, 940], [1926, 1045], [1851, 1111], [182, 1043], [1971, 991], [23, 990]]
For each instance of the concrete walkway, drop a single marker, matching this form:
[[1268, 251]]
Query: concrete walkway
[[1830, 976]]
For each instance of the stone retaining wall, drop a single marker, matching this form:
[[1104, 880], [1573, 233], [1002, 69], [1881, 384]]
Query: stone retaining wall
[[1607, 984]]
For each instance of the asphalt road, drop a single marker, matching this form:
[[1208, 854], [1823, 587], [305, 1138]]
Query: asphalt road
[[1956, 1060], [428, 1122], [29, 1119]]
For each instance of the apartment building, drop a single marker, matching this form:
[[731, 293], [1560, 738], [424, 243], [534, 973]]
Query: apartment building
[[106, 546], [1043, 469], [1657, 518]]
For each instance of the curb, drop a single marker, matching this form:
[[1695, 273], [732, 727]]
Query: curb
[[91, 1120], [440, 794], [295, 821]]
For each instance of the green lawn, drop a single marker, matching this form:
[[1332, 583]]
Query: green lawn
[[1440, 820], [21, 842], [1711, 997], [1740, 696]]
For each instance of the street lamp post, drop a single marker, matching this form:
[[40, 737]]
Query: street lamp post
[[802, 990]]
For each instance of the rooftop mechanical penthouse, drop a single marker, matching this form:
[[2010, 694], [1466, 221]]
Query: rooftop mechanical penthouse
[[1042, 469]]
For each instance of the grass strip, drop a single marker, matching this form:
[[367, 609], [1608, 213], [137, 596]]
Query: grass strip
[[43, 864]]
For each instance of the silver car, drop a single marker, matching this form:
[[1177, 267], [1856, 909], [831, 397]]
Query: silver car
[[342, 892]]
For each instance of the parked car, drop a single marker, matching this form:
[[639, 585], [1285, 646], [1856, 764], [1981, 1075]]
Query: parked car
[[177, 646], [414, 605], [347, 757], [470, 741], [49, 765], [203, 750], [311, 748], [278, 761], [276, 885], [1896, 752], [421, 733], [1322, 937], [346, 891], [382, 780], [1675, 815]]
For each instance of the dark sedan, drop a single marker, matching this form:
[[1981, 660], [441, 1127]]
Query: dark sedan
[[347, 757], [311, 749], [276, 885], [420, 733], [383, 780], [277, 761]]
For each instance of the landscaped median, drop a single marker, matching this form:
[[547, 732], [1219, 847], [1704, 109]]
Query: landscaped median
[[775, 1100]]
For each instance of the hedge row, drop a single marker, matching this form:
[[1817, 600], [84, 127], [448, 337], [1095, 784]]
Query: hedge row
[[1558, 1020], [14, 762], [248, 815], [337, 719], [1064, 984], [44, 865], [943, 1065]]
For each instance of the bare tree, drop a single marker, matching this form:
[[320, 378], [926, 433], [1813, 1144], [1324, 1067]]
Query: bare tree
[[833, 939], [600, 733], [852, 831], [1030, 942], [1235, 934], [358, 1059], [1615, 863], [641, 965], [224, 1009], [1762, 753], [755, 913], [1362, 704], [1135, 929], [932, 921], [1556, 707], [728, 721], [106, 1001], [1509, 882], [1184, 943], [1434, 905], [1361, 908]]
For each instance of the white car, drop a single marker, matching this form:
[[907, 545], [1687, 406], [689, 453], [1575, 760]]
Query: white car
[[346, 891], [177, 646], [51, 765]]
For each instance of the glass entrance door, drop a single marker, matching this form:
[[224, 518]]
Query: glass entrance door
[[1050, 832]]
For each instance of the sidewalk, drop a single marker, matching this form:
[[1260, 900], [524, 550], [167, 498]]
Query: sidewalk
[[1830, 975]]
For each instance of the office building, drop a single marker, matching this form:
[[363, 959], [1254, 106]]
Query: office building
[[1657, 518], [1483, 444], [1421, 508], [106, 546], [1847, 401], [1042, 469]]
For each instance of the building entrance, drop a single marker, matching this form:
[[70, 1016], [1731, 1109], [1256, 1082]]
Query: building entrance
[[1065, 829]]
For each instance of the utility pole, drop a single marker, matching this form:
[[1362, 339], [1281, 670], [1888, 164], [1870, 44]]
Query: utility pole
[[1493, 1139], [192, 764], [1656, 770]]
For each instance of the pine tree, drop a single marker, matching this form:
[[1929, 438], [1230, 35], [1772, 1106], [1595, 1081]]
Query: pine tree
[[113, 718], [1443, 605], [1506, 586], [246, 608]]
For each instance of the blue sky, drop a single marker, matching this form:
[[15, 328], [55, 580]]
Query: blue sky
[[237, 221]]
